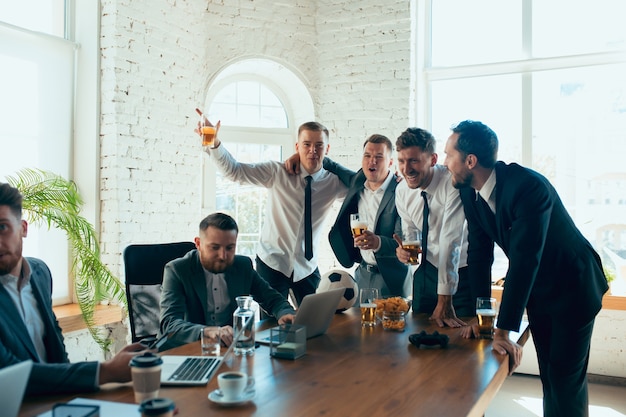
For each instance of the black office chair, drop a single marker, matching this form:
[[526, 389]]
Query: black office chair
[[143, 265]]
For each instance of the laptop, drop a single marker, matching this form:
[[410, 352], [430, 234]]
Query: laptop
[[13, 380], [180, 370], [316, 312]]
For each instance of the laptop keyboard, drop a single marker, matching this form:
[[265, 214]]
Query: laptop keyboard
[[194, 369]]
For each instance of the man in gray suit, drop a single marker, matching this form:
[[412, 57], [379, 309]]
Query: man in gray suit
[[28, 326], [371, 194], [199, 289]]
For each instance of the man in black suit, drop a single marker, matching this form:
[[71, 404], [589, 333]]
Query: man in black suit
[[371, 194], [554, 273]]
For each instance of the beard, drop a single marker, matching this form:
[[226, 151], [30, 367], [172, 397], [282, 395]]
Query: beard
[[9, 260], [216, 266], [462, 181]]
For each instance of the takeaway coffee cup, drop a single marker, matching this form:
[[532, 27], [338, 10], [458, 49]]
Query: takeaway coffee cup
[[146, 373], [157, 407], [233, 384]]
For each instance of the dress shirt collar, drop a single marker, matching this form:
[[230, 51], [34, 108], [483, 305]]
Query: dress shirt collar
[[315, 176], [487, 192]]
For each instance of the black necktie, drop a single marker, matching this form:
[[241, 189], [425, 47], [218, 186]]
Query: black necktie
[[308, 233], [425, 227]]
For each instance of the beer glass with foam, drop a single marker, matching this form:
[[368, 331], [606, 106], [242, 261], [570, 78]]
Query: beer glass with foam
[[357, 225], [367, 301], [486, 313]]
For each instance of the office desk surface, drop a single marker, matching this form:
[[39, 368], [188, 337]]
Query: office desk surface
[[348, 371]]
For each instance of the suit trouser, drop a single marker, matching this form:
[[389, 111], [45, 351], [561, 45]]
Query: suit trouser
[[563, 355], [425, 281], [282, 283]]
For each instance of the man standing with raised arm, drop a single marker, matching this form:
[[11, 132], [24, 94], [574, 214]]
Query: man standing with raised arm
[[287, 255]]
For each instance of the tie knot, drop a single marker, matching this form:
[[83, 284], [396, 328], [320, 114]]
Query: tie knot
[[308, 179], [424, 194]]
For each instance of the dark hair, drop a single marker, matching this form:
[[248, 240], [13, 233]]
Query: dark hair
[[477, 139], [376, 138], [314, 127], [220, 221], [414, 136], [11, 196]]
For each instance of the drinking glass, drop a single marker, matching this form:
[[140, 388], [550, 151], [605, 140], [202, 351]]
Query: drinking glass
[[367, 301], [486, 309]]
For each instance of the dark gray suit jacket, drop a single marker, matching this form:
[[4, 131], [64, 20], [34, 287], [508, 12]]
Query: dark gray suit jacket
[[393, 271], [553, 269], [57, 375], [184, 297]]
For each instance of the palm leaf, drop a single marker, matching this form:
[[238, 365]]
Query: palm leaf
[[51, 200]]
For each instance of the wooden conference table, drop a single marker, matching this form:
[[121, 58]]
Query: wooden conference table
[[348, 371]]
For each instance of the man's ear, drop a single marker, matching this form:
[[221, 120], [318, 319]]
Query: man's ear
[[24, 228], [434, 157], [327, 149], [471, 161]]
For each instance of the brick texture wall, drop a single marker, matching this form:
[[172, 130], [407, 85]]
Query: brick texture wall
[[159, 56]]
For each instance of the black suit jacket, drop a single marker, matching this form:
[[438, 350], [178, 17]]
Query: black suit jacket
[[57, 375], [184, 308], [387, 223], [553, 269]]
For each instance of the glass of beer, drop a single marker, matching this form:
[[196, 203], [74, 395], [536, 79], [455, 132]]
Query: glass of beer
[[412, 243], [357, 225], [208, 132], [486, 312], [367, 300]]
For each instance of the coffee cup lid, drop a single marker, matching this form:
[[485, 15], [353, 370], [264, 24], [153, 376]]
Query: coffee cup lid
[[156, 406], [146, 360]]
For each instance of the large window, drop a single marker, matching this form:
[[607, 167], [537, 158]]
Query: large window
[[548, 77], [36, 108]]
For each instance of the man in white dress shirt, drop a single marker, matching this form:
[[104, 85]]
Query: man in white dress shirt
[[281, 259], [437, 278]]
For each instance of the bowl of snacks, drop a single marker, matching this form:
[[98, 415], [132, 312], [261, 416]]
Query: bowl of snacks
[[392, 312]]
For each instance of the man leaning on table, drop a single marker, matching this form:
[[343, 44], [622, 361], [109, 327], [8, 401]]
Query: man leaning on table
[[554, 272], [199, 289], [28, 327], [287, 256]]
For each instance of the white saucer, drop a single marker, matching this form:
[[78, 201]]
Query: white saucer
[[217, 398]]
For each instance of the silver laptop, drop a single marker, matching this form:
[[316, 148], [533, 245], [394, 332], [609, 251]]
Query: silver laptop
[[316, 312], [192, 370], [13, 380]]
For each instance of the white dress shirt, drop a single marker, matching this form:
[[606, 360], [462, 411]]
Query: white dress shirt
[[446, 225], [369, 202], [26, 305], [281, 245]]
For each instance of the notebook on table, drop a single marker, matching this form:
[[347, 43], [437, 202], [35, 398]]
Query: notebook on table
[[316, 312], [13, 380], [192, 370]]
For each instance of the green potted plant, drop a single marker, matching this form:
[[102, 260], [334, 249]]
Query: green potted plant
[[51, 200]]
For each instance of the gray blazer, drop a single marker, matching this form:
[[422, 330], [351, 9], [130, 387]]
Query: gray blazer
[[57, 375], [393, 271], [183, 298]]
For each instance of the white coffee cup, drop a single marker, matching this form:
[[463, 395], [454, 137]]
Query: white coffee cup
[[233, 384]]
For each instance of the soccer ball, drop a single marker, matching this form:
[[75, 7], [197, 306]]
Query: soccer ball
[[338, 278]]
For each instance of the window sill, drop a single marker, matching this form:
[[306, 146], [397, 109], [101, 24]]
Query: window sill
[[609, 302], [70, 318]]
